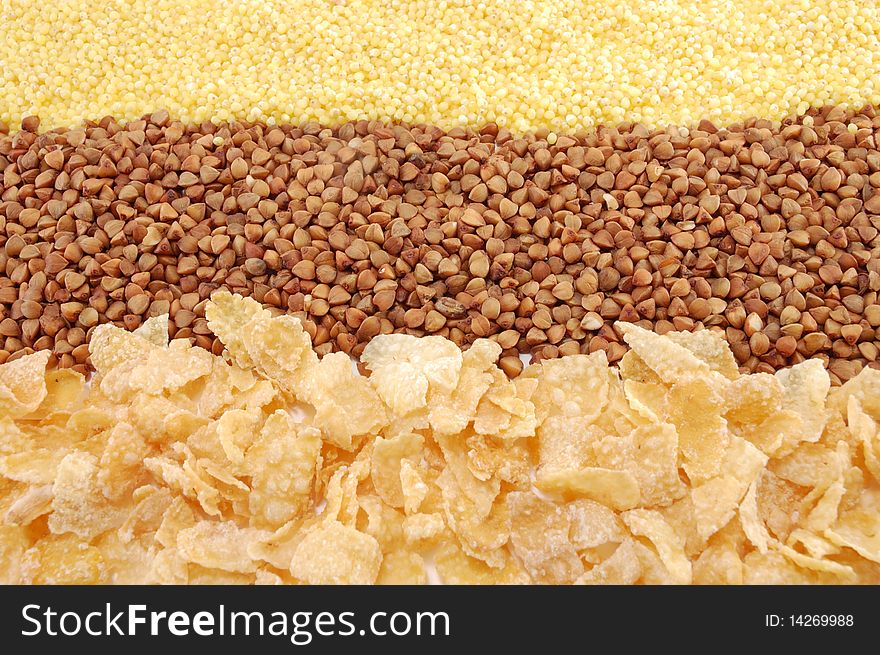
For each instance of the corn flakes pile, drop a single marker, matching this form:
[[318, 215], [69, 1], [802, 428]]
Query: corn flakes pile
[[172, 465]]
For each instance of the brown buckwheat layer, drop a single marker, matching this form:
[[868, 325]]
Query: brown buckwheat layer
[[766, 233]]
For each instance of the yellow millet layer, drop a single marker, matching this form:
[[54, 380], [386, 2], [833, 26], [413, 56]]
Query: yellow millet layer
[[556, 64]]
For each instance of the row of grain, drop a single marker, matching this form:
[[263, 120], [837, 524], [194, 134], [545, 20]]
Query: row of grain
[[767, 233]]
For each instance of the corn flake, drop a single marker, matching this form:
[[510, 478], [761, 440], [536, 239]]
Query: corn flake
[[622, 567], [336, 554], [668, 545], [617, 489], [78, 506], [23, 384], [540, 538], [269, 466], [650, 454], [387, 461], [403, 368], [218, 545], [282, 463]]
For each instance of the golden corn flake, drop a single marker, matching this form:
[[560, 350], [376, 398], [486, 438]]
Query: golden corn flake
[[229, 317], [508, 461], [779, 503], [808, 465], [65, 389], [37, 466], [277, 548], [450, 412], [718, 565], [716, 500], [709, 347], [148, 513], [506, 411], [668, 545], [682, 516], [423, 527], [341, 494], [575, 387], [168, 567], [266, 577], [622, 567], [650, 454], [859, 530], [670, 361], [129, 363], [824, 565], [593, 524], [218, 545], [773, 568], [236, 430], [13, 544], [185, 480], [35, 502], [455, 567], [402, 567], [224, 388], [176, 516], [269, 466], [805, 388], [379, 520], [154, 330], [481, 525], [695, 407], [78, 506], [336, 554], [387, 460], [346, 406], [864, 431], [199, 575], [617, 489], [111, 346], [752, 399], [565, 443], [459, 480], [751, 520], [647, 400], [814, 545], [413, 488], [282, 463], [13, 440], [277, 347], [22, 384], [403, 368], [62, 560], [120, 468], [125, 561], [540, 539]]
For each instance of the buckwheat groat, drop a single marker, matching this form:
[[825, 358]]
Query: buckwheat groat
[[766, 234]]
